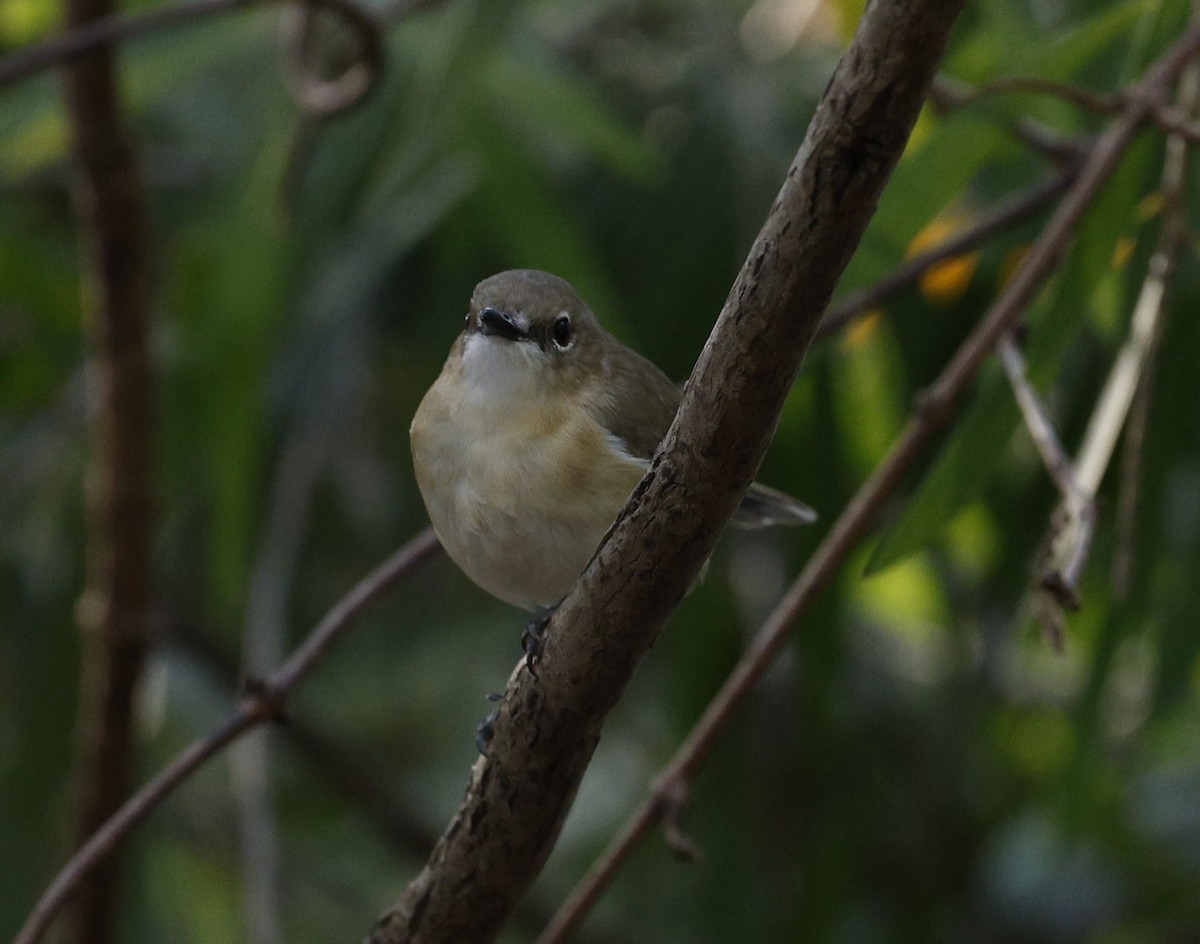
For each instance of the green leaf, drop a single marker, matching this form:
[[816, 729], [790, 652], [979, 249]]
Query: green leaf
[[525, 220], [932, 173], [1005, 50], [552, 111]]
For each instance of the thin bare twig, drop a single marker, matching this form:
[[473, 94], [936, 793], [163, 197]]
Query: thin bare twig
[[1011, 212], [1080, 95], [1079, 508], [1170, 118], [855, 521], [355, 68], [1037, 419], [1179, 123], [948, 94], [317, 97], [369, 792], [265, 700], [1073, 523], [1069, 542]]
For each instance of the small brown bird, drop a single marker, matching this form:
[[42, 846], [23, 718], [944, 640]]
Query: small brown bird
[[535, 433]]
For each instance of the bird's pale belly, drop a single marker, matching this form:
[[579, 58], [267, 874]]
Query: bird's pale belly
[[527, 557], [521, 515]]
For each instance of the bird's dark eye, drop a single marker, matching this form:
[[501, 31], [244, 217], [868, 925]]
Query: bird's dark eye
[[561, 331]]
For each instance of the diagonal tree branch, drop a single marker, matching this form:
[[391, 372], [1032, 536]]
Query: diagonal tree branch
[[547, 726]]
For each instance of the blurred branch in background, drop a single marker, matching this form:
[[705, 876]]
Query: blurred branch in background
[[1174, 119], [303, 460], [1013, 211], [947, 95], [935, 411], [264, 700], [114, 611]]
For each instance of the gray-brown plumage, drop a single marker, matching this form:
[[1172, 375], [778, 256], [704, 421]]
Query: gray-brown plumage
[[532, 438]]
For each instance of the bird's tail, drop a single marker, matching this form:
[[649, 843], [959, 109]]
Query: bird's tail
[[764, 507]]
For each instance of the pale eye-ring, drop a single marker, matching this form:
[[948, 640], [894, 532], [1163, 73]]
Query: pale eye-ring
[[560, 332]]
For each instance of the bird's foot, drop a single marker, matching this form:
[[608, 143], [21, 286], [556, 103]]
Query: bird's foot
[[531, 637]]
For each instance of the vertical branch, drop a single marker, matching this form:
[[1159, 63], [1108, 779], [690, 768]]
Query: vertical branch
[[113, 614]]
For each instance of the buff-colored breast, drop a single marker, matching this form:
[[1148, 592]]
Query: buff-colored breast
[[520, 487]]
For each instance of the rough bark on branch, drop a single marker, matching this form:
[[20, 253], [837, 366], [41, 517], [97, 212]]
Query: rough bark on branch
[[114, 612], [548, 726]]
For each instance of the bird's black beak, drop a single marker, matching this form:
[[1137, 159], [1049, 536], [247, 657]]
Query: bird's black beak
[[494, 321]]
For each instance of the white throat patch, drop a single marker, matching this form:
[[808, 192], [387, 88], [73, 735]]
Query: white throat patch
[[499, 370]]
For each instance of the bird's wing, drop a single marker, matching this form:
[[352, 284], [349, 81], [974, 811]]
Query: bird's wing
[[638, 404], [637, 408]]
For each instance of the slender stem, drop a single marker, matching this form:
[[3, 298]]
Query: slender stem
[[855, 521], [265, 700], [1037, 419], [1178, 123], [1079, 510], [303, 457], [1080, 95], [948, 94]]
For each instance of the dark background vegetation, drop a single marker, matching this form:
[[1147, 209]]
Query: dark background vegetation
[[919, 767]]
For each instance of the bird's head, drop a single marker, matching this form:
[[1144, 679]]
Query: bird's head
[[528, 333]]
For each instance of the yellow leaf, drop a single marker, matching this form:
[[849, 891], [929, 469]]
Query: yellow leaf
[[945, 282], [23, 21]]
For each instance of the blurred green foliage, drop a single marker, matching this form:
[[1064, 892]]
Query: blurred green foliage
[[919, 767]]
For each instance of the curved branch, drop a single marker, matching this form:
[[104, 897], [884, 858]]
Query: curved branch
[[547, 726], [1079, 95], [265, 700], [948, 94], [322, 98]]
